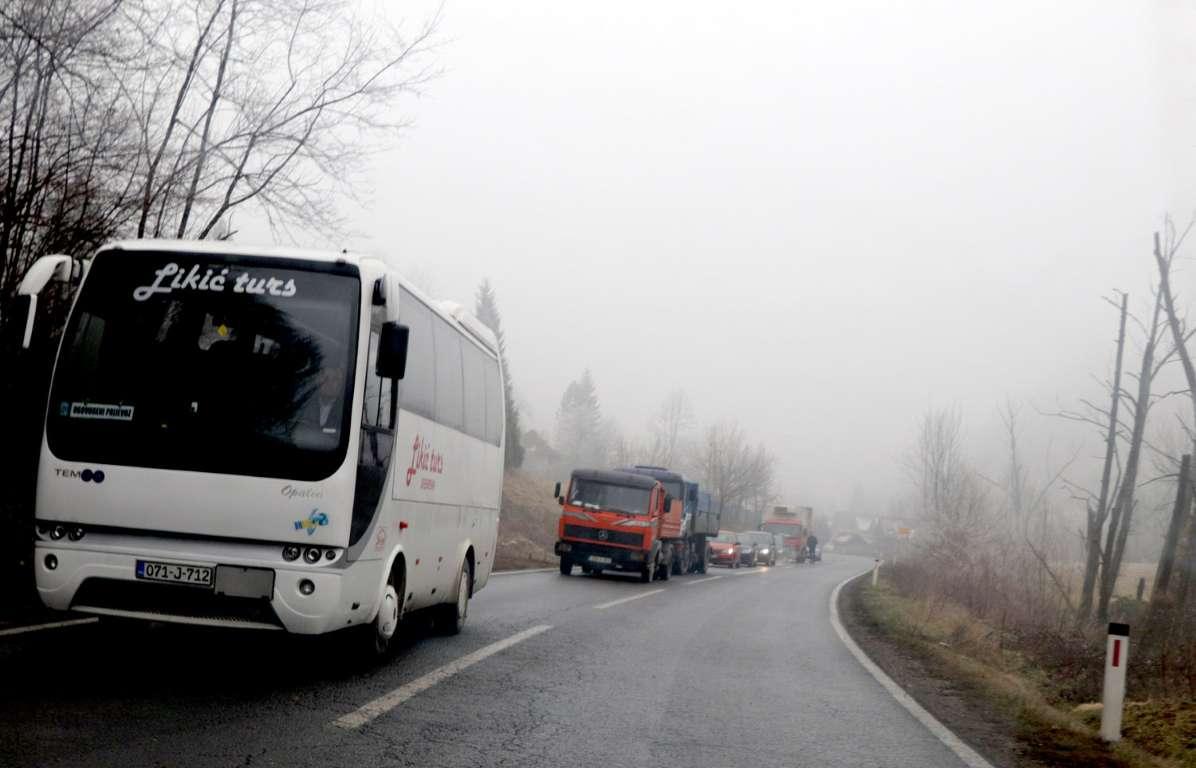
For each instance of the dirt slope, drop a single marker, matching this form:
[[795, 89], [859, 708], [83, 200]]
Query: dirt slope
[[527, 526]]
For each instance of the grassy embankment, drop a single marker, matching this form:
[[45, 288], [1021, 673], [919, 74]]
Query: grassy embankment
[[527, 526], [1040, 694]]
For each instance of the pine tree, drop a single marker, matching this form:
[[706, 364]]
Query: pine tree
[[580, 434], [487, 311]]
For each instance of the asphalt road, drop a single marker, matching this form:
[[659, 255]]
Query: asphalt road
[[738, 668]]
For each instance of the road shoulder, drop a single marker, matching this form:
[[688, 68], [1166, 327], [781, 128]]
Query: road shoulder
[[994, 729]]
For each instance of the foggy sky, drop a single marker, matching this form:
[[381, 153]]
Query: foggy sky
[[819, 218]]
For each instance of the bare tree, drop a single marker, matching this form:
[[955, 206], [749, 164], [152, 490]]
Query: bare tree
[[1164, 254], [65, 147], [163, 117], [671, 423], [270, 103], [1097, 510], [734, 471], [1121, 515], [952, 500]]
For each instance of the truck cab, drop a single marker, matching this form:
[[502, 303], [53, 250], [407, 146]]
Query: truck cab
[[617, 521], [688, 543]]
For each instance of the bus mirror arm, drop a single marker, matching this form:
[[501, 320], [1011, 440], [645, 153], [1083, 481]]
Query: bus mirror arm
[[47, 268], [392, 351]]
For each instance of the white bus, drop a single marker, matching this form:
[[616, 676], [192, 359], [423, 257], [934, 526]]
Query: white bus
[[265, 438]]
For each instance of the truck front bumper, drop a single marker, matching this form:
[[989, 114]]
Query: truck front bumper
[[599, 556]]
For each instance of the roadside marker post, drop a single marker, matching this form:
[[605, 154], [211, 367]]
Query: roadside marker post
[[1117, 655], [875, 572]]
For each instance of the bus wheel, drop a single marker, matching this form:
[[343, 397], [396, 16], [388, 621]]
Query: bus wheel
[[566, 565], [452, 615], [646, 573], [379, 634]]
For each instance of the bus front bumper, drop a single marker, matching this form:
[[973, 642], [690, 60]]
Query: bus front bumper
[[104, 582]]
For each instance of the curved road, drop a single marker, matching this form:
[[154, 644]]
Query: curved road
[[737, 668]]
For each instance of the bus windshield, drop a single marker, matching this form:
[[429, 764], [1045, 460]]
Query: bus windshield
[[209, 363], [609, 497], [785, 529]]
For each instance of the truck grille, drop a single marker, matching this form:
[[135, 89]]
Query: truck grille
[[168, 600], [604, 535]]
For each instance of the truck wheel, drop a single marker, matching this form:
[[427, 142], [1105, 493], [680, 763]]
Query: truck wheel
[[451, 618], [566, 565], [646, 573], [666, 571]]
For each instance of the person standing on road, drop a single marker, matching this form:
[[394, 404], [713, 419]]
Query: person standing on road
[[812, 545]]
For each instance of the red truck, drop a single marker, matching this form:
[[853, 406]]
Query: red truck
[[794, 524], [618, 521]]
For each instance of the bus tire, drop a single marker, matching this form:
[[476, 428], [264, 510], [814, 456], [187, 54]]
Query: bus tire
[[451, 616], [566, 565], [646, 573], [380, 634]]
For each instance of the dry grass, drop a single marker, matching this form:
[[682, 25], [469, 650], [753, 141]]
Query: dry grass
[[1157, 732], [527, 525], [1127, 580]]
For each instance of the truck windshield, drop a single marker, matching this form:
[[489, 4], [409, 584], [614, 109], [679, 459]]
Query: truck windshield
[[609, 497], [209, 363], [785, 529]]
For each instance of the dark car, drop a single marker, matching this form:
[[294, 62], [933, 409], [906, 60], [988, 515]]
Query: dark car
[[747, 547], [764, 550]]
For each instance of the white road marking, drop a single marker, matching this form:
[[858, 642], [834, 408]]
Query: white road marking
[[386, 703], [525, 570], [621, 600], [51, 625], [703, 581], [969, 756]]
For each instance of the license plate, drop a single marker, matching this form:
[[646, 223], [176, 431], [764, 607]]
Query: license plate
[[599, 559], [177, 573]]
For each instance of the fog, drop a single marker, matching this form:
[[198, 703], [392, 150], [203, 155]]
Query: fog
[[820, 219]]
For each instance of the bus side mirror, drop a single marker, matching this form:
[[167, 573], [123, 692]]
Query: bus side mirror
[[47, 268], [392, 351], [556, 490]]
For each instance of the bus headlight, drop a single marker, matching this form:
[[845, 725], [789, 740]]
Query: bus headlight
[[57, 532], [75, 533], [306, 586], [311, 555], [290, 553]]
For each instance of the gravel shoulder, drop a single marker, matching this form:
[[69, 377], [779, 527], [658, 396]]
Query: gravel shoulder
[[997, 730]]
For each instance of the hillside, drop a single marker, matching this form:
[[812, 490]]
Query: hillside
[[527, 526]]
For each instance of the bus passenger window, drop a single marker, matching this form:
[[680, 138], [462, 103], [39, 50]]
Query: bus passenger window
[[473, 362], [419, 383], [495, 405], [450, 394]]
